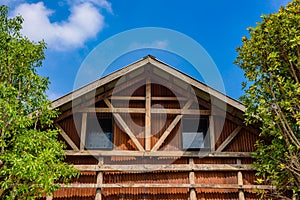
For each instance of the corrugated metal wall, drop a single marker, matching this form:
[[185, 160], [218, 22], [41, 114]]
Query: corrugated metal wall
[[244, 142]]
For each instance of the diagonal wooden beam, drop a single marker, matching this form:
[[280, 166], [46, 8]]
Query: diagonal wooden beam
[[171, 127], [97, 99], [66, 137], [120, 120], [229, 139]]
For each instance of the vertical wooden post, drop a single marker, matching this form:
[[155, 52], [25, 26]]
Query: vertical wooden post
[[98, 194], [193, 195], [212, 132], [99, 180], [148, 116], [240, 181], [83, 131]]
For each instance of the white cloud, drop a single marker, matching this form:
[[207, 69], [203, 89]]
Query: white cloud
[[101, 3], [85, 22]]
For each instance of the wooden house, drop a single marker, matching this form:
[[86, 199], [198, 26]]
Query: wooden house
[[148, 131]]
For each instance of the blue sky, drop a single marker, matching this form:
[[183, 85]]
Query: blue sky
[[72, 29]]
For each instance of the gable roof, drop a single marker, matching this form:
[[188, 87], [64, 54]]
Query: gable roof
[[139, 64]]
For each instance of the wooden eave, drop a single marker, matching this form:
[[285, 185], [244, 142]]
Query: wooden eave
[[75, 95]]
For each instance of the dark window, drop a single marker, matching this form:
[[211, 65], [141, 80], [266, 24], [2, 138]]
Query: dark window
[[194, 133], [99, 133]]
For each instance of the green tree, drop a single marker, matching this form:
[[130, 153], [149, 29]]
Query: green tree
[[31, 159], [270, 58]]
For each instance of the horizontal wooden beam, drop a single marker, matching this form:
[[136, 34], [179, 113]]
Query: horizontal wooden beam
[[140, 98], [127, 98], [181, 111], [171, 154], [143, 110], [113, 110], [165, 185], [168, 167], [169, 99]]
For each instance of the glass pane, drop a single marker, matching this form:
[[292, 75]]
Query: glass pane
[[99, 133], [194, 133], [192, 140], [98, 140]]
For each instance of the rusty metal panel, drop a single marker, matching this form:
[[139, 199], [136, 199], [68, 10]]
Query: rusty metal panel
[[215, 178], [150, 177], [160, 122], [223, 129], [75, 193], [252, 195], [158, 196], [206, 160], [249, 178], [81, 160], [243, 142], [217, 196], [72, 126]]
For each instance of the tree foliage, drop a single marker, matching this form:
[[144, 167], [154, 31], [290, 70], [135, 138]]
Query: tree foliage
[[270, 58], [31, 159]]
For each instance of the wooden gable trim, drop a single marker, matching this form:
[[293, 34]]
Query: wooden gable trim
[[105, 94], [102, 81], [197, 84], [92, 86]]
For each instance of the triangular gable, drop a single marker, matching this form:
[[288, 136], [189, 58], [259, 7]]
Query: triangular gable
[[158, 64]]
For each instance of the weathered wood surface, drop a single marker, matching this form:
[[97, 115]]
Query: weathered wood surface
[[164, 185], [166, 167], [171, 154], [83, 131]]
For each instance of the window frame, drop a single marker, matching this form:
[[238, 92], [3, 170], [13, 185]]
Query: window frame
[[205, 130], [102, 133]]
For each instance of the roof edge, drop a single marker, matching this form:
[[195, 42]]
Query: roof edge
[[145, 60]]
